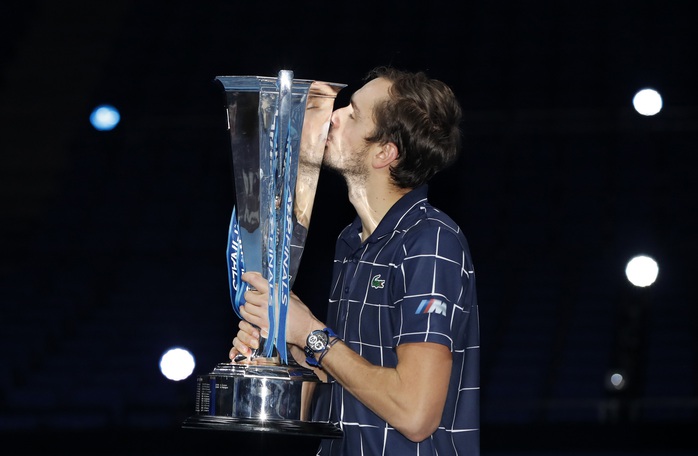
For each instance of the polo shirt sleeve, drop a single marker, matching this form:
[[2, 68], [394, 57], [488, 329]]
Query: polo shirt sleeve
[[430, 284]]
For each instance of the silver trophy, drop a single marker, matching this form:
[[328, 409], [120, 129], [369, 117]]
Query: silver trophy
[[278, 128]]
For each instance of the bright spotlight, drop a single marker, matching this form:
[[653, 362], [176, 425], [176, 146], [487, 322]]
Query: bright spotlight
[[177, 364], [642, 271], [615, 381], [647, 102], [105, 117]]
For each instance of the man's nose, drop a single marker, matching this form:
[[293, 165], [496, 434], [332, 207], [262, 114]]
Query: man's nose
[[334, 118]]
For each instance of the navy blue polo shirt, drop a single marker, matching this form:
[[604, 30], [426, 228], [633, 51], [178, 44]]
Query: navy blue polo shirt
[[411, 281]]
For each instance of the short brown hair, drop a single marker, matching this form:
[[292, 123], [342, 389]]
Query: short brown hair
[[422, 117]]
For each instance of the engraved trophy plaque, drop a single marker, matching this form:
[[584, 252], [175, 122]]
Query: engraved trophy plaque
[[278, 129]]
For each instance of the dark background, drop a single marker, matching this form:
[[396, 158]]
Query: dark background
[[113, 242]]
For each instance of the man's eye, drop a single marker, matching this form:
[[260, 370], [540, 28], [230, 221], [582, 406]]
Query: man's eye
[[351, 116]]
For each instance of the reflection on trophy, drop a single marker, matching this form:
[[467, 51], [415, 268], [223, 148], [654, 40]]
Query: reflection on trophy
[[278, 129]]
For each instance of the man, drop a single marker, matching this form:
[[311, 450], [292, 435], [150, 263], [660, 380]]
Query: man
[[401, 343]]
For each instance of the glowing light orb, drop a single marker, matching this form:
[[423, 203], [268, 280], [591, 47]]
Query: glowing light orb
[[647, 102], [642, 271], [177, 364], [616, 381], [105, 117]]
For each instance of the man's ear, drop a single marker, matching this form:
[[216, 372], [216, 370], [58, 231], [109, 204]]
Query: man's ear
[[386, 156]]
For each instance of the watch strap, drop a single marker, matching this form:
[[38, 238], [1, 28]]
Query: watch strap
[[310, 353]]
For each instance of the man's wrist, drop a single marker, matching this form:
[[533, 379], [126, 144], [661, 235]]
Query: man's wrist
[[302, 335], [318, 342]]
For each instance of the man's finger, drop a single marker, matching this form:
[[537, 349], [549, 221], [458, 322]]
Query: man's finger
[[256, 281]]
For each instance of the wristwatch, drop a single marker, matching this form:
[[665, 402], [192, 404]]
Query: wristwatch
[[317, 342]]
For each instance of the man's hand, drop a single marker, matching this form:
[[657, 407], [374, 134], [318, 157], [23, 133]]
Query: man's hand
[[255, 323], [246, 341], [299, 320]]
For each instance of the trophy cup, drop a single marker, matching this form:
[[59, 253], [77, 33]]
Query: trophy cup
[[278, 128]]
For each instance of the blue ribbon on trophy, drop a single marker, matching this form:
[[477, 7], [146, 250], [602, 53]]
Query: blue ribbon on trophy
[[236, 264]]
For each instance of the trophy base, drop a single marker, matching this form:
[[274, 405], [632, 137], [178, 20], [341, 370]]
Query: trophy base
[[259, 397], [286, 427]]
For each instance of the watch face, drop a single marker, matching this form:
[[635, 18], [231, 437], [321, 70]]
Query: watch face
[[317, 340]]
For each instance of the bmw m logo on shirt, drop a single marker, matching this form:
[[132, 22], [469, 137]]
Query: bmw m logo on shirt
[[432, 306]]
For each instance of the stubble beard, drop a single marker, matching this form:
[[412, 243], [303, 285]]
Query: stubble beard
[[354, 171]]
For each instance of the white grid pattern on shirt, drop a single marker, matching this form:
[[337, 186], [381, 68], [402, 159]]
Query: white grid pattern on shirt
[[364, 309]]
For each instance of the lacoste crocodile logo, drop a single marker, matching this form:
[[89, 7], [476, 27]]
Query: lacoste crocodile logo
[[377, 282]]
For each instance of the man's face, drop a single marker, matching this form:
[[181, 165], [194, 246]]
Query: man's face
[[346, 150]]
